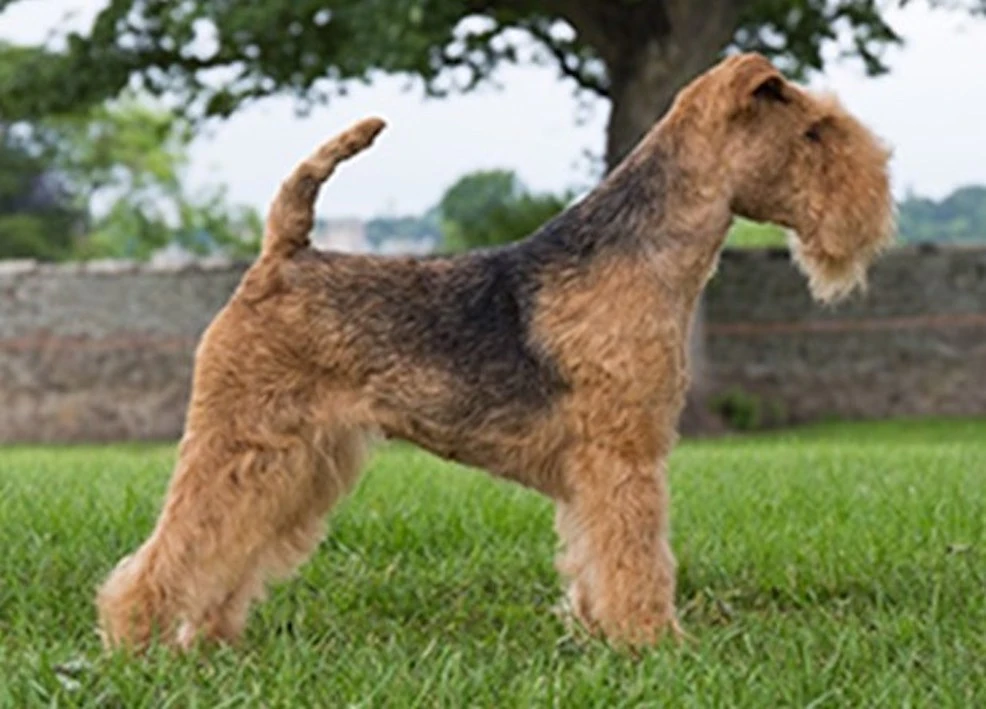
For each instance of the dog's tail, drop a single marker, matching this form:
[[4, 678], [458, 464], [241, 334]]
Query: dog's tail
[[291, 216]]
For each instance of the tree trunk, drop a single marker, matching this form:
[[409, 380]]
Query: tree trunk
[[645, 76], [643, 95]]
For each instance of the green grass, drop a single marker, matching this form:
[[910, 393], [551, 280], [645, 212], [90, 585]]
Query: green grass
[[835, 566], [744, 234]]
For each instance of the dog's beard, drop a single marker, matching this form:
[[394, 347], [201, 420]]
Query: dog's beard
[[832, 279]]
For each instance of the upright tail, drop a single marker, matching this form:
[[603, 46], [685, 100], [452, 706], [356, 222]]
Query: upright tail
[[291, 216]]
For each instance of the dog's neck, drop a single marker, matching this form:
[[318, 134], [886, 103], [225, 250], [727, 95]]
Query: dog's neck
[[665, 203]]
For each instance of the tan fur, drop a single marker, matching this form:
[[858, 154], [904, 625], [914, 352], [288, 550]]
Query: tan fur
[[559, 362]]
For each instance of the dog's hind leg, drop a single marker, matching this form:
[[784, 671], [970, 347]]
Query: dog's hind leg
[[230, 522], [338, 457]]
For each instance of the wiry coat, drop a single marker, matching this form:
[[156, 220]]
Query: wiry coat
[[558, 362]]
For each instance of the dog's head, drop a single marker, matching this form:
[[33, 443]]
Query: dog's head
[[798, 160]]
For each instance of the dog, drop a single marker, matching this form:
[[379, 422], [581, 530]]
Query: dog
[[558, 362]]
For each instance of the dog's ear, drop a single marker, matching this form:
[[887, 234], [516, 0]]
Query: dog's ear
[[821, 128], [758, 81], [771, 88], [845, 212]]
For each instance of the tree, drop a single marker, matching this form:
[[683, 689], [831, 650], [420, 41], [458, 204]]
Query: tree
[[132, 157], [37, 215], [216, 55], [424, 230], [493, 207], [958, 218], [109, 182]]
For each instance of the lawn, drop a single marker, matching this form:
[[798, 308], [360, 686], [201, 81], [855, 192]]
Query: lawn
[[833, 566]]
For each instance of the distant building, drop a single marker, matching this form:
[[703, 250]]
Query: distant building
[[348, 235], [174, 254], [382, 235], [413, 247]]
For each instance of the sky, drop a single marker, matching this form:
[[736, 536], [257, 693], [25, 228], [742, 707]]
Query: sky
[[931, 109]]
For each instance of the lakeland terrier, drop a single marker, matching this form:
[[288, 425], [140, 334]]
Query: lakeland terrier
[[558, 362]]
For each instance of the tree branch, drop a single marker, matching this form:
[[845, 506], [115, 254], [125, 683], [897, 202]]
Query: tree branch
[[573, 61]]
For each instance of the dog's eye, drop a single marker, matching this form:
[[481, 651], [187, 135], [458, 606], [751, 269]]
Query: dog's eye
[[813, 135]]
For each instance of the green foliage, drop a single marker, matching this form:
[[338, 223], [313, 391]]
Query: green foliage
[[127, 156], [818, 567], [795, 33], [492, 207], [210, 224], [126, 146], [205, 225], [425, 228], [743, 411], [739, 409], [37, 216], [315, 49], [44, 236], [475, 195], [958, 218], [136, 155]]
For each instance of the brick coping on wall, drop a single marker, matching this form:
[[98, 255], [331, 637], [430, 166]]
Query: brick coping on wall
[[221, 263], [783, 253], [16, 267]]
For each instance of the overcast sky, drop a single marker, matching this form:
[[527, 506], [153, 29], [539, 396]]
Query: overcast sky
[[931, 109]]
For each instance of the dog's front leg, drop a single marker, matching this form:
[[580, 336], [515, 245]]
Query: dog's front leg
[[617, 556]]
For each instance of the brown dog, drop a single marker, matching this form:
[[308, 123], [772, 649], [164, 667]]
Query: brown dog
[[558, 362]]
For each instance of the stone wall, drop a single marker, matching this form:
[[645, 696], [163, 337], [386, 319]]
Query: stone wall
[[913, 345], [103, 351]]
